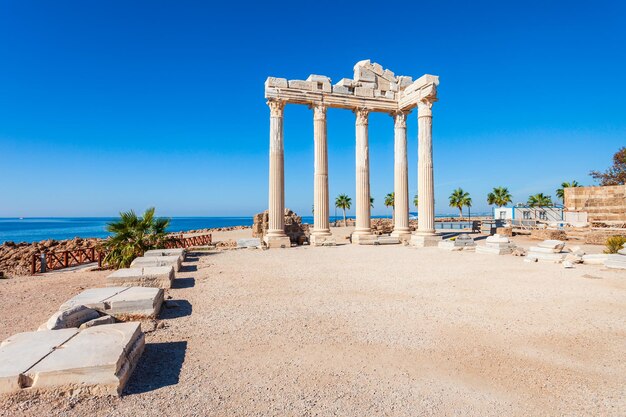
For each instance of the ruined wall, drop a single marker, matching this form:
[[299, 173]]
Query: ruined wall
[[294, 228], [603, 204]]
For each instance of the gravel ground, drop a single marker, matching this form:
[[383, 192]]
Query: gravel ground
[[359, 330]]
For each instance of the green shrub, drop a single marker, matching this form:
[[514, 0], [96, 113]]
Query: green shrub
[[614, 243]]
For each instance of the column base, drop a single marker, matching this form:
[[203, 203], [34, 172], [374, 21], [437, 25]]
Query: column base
[[322, 240], [423, 241], [403, 235], [359, 238], [277, 241]]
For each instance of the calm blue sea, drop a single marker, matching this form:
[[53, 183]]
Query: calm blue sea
[[59, 228]]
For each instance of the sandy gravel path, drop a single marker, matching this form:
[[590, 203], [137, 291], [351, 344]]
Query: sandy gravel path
[[361, 330]]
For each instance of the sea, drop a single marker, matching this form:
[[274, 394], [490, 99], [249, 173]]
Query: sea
[[33, 229]]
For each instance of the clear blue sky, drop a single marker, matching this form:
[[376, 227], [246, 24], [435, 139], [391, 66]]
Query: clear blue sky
[[112, 105]]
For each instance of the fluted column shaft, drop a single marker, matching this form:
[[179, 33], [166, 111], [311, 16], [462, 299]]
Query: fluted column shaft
[[320, 183], [400, 177], [426, 187], [363, 226], [276, 226]]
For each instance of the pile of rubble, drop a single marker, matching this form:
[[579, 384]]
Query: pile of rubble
[[297, 232]]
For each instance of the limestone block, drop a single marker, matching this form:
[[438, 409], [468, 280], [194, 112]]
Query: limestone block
[[158, 277], [99, 359], [615, 261], [539, 249], [249, 243], [318, 78], [573, 258], [379, 94], [97, 322], [567, 264], [595, 259], [556, 245], [143, 261], [20, 352], [404, 81], [390, 94], [389, 75], [491, 250], [393, 87], [383, 84], [276, 82], [464, 240], [550, 257], [345, 82], [363, 74], [449, 245], [341, 90], [423, 241], [277, 242], [376, 68], [388, 240], [182, 253], [363, 92], [497, 238], [302, 85], [366, 85], [72, 317]]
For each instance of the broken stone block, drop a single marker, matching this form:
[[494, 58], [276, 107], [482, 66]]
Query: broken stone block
[[97, 322], [573, 258], [539, 249], [72, 317], [550, 257], [341, 90], [390, 94], [301, 85], [20, 352], [404, 81], [144, 261], [615, 261], [393, 87], [568, 265], [383, 84], [595, 259], [276, 82], [364, 75], [388, 240], [120, 302], [376, 68], [249, 243], [363, 92], [389, 75], [99, 360], [449, 245], [158, 277]]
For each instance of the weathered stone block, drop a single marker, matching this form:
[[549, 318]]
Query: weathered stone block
[[120, 302], [345, 82], [555, 245], [249, 243], [149, 261], [302, 85], [318, 78], [276, 82], [615, 261], [363, 92], [97, 322], [364, 75], [341, 90], [158, 277], [595, 259], [72, 317], [167, 252]]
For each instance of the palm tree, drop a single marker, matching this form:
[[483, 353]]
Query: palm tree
[[371, 202], [415, 200], [390, 202], [539, 200], [460, 199], [343, 202], [500, 196], [133, 235], [560, 193]]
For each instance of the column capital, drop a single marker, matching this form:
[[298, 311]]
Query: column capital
[[361, 116], [425, 107], [276, 107], [399, 117], [319, 111]]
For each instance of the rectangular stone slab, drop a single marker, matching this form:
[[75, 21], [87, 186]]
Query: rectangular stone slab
[[120, 302], [491, 250], [144, 261], [616, 261], [99, 359], [22, 351], [167, 252], [158, 277], [551, 257]]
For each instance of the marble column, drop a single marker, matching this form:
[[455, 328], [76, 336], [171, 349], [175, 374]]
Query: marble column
[[363, 227], [400, 179], [320, 234], [276, 236], [425, 234]]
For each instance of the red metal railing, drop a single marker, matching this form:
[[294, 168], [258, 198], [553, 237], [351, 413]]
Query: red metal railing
[[45, 261]]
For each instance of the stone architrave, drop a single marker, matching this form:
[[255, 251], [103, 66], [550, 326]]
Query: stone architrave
[[276, 237], [425, 234], [400, 179], [363, 227], [321, 226]]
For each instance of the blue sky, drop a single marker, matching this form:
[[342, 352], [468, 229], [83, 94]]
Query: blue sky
[[107, 106]]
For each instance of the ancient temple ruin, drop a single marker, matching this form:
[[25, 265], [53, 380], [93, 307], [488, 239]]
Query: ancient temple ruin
[[372, 89]]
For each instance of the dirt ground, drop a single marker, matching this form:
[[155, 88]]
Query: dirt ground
[[359, 330]]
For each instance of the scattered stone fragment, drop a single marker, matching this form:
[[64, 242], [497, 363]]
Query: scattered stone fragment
[[567, 264], [496, 245], [97, 322], [462, 242], [249, 243]]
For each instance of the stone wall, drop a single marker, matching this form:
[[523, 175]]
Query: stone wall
[[297, 232], [603, 204]]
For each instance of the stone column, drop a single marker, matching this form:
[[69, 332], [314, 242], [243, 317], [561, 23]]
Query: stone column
[[276, 236], [321, 229], [425, 234], [400, 179], [363, 228]]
